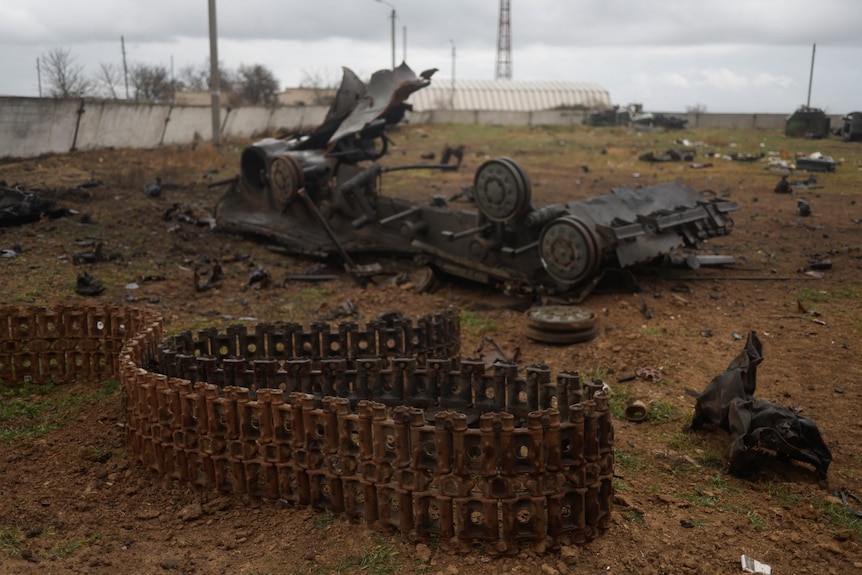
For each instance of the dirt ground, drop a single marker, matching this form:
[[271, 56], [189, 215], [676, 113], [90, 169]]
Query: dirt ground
[[73, 499]]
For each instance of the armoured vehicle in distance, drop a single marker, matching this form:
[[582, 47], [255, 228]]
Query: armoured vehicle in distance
[[851, 127], [807, 122], [317, 194]]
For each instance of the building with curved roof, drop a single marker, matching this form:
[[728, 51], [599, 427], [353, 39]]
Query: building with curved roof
[[509, 95]]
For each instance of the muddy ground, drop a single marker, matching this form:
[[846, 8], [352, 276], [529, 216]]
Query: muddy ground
[[73, 500]]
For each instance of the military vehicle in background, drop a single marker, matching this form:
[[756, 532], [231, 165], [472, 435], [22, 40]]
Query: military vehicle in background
[[807, 122]]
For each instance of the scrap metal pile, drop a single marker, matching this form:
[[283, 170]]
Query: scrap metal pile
[[387, 423], [317, 194]]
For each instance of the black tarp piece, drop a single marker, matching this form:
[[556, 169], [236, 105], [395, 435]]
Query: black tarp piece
[[757, 427]]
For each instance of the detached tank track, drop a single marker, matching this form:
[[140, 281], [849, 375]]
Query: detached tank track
[[387, 424]]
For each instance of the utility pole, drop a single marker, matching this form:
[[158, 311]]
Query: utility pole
[[39, 76], [452, 91], [811, 75], [125, 66], [404, 42], [214, 77], [392, 15]]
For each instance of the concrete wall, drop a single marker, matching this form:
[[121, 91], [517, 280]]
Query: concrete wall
[[120, 125], [186, 124], [30, 127], [34, 126]]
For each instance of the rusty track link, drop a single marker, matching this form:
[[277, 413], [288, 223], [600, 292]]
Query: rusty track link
[[386, 424]]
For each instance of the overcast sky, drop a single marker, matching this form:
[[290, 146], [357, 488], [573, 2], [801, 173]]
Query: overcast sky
[[726, 55]]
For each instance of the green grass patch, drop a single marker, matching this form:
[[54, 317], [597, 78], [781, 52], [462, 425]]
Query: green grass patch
[[629, 462], [839, 516], [813, 295], [379, 559], [653, 330], [475, 324], [633, 516], [323, 520], [661, 411], [11, 539], [31, 410], [702, 497], [69, 548], [779, 492], [618, 402]]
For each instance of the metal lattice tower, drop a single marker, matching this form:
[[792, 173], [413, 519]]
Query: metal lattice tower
[[504, 43]]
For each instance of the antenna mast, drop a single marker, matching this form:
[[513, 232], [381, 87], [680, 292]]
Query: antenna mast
[[504, 43]]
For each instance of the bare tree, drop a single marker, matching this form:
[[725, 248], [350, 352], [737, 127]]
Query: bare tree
[[197, 79], [256, 84], [321, 84], [65, 78], [193, 78], [108, 77], [151, 83]]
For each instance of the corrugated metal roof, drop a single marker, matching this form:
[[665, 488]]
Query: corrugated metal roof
[[508, 95]]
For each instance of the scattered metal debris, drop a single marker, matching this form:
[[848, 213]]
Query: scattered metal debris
[[12, 252], [87, 285], [259, 278], [153, 190], [816, 162], [650, 374], [208, 276], [637, 411], [787, 187], [671, 155], [750, 565], [96, 255], [189, 213], [757, 426], [496, 353], [19, 207]]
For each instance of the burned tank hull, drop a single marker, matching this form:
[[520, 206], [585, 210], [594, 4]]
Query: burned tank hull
[[326, 202]]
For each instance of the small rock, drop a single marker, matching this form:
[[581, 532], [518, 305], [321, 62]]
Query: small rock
[[423, 553], [191, 512], [832, 547], [549, 570], [169, 564], [452, 570], [569, 553], [145, 514]]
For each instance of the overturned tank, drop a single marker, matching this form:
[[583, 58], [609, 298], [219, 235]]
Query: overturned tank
[[317, 195]]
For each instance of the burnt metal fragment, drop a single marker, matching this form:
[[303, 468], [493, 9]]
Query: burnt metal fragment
[[317, 194], [19, 207], [87, 285], [755, 426]]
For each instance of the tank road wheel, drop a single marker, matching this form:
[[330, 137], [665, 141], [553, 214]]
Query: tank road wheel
[[501, 190], [560, 318], [285, 180], [570, 250]]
